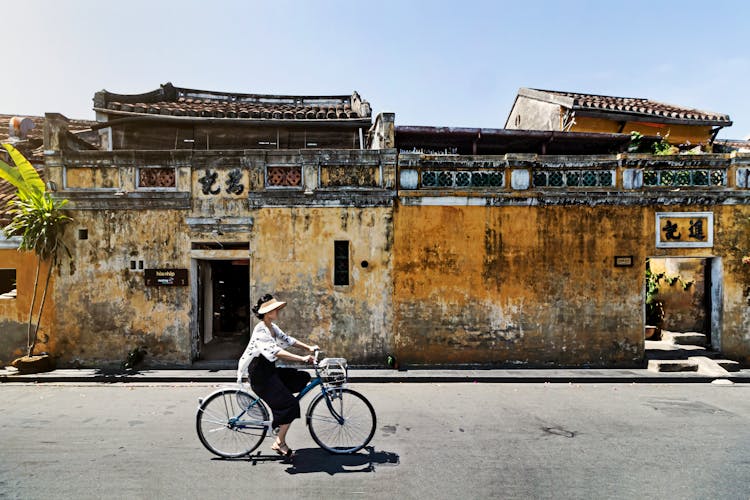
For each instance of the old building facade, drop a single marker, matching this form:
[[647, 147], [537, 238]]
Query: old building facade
[[536, 109], [439, 245]]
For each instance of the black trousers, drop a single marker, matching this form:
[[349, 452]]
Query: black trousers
[[276, 386]]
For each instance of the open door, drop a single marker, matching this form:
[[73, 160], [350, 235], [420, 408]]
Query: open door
[[679, 295], [223, 309]]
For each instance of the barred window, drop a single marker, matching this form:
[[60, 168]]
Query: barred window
[[340, 263]]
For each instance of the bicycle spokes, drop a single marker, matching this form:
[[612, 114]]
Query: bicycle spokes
[[344, 423]]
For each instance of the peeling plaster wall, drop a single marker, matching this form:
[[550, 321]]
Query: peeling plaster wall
[[104, 309], [292, 258]]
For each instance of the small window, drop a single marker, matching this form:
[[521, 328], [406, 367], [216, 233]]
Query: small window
[[340, 263], [7, 283]]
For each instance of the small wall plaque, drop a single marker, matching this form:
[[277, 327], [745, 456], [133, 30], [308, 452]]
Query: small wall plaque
[[623, 261], [166, 277], [684, 229]]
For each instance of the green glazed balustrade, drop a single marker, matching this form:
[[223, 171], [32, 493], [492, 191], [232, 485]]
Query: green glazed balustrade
[[684, 178], [448, 179], [573, 178]]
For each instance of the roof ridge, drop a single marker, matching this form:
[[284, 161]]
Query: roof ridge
[[636, 105], [568, 93]]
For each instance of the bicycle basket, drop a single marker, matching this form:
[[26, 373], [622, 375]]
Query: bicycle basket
[[333, 371]]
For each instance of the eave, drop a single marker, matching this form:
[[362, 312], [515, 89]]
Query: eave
[[129, 117]]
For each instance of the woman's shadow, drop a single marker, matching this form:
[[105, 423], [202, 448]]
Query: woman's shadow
[[309, 460]]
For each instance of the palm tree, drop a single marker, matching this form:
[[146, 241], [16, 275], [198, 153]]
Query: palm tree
[[39, 221]]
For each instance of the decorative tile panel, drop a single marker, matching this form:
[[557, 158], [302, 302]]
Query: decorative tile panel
[[573, 178], [366, 176], [284, 176], [703, 177], [156, 177], [461, 179]]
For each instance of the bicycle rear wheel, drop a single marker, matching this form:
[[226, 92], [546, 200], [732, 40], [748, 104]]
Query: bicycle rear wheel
[[347, 426], [224, 429]]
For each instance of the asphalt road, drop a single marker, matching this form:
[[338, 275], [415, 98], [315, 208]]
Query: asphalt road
[[433, 441]]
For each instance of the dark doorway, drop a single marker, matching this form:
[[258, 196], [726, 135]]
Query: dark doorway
[[223, 309]]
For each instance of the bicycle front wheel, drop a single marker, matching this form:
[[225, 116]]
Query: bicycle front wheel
[[231, 423], [346, 426]]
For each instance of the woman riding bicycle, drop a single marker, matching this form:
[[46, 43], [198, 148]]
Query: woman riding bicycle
[[273, 384]]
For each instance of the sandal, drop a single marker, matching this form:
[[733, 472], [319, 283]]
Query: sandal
[[278, 448]]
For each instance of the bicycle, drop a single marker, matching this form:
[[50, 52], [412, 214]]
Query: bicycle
[[232, 422]]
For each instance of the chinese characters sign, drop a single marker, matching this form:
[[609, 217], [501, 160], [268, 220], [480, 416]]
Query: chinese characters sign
[[211, 184], [684, 229]]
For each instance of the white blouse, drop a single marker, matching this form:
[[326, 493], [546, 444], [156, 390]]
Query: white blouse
[[263, 342]]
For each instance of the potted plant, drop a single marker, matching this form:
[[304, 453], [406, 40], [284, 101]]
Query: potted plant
[[40, 222]]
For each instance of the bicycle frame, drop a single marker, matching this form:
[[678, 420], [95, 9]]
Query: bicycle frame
[[315, 382]]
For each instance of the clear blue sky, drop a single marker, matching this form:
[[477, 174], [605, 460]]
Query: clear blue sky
[[432, 63]]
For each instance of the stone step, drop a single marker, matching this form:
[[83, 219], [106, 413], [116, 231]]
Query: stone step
[[683, 338], [708, 366], [728, 365], [672, 365]]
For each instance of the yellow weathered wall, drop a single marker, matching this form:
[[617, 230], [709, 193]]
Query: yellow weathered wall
[[587, 124], [526, 285], [14, 313], [537, 285], [676, 134], [292, 257]]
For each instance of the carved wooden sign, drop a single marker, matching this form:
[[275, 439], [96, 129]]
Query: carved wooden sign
[[684, 229]]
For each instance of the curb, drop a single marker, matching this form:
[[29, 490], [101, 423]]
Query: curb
[[390, 376]]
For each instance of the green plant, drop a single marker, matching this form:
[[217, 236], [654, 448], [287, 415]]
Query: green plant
[[663, 147], [638, 144], [40, 222], [654, 306]]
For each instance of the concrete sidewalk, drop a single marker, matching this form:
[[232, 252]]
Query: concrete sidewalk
[[361, 375]]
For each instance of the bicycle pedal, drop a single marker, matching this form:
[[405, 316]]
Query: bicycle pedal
[[275, 431]]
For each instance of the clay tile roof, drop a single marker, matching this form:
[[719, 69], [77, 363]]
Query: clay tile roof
[[635, 106], [169, 100]]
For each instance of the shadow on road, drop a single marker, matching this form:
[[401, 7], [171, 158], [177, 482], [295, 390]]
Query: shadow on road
[[310, 460]]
